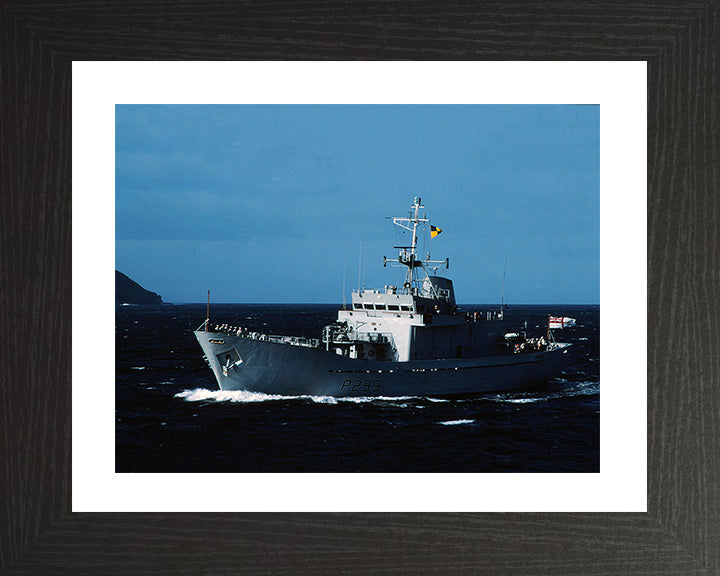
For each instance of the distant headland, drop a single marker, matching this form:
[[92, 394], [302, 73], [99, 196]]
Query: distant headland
[[128, 291]]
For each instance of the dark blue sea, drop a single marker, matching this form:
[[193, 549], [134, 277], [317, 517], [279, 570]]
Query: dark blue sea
[[171, 417]]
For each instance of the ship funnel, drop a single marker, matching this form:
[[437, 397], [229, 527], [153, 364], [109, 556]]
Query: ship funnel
[[438, 288]]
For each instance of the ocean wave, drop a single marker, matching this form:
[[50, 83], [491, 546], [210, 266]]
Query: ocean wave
[[456, 422], [243, 396], [588, 388], [202, 394], [363, 399]]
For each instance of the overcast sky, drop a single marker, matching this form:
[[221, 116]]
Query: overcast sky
[[273, 203]]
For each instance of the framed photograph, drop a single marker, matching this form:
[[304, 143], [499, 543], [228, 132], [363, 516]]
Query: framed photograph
[[55, 414], [514, 171]]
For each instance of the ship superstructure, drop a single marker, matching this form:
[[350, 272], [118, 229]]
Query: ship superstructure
[[410, 340], [417, 322]]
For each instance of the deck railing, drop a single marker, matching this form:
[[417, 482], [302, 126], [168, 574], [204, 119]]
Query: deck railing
[[240, 332]]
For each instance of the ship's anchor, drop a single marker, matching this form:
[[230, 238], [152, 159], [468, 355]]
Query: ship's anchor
[[229, 364]]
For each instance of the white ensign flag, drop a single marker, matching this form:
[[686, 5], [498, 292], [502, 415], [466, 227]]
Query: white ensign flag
[[555, 322]]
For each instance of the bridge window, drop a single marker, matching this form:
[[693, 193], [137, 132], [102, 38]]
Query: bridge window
[[379, 306], [393, 307], [357, 306], [406, 308], [368, 306]]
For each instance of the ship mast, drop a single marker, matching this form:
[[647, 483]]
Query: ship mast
[[408, 254], [412, 261]]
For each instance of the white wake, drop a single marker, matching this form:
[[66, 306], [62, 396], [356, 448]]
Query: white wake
[[243, 396], [456, 422]]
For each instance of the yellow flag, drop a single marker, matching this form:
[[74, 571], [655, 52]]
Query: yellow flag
[[434, 231]]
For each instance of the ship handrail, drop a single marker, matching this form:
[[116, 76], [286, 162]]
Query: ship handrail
[[239, 332], [292, 340], [372, 337], [375, 337]]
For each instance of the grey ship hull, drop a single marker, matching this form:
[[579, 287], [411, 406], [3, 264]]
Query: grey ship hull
[[286, 369]]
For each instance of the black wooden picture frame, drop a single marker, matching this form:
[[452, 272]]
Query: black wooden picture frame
[[680, 533]]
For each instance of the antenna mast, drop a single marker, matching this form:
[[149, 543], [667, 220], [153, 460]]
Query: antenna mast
[[408, 254], [207, 318], [502, 294]]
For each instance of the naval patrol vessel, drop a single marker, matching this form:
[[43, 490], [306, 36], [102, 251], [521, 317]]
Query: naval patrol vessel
[[407, 341]]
